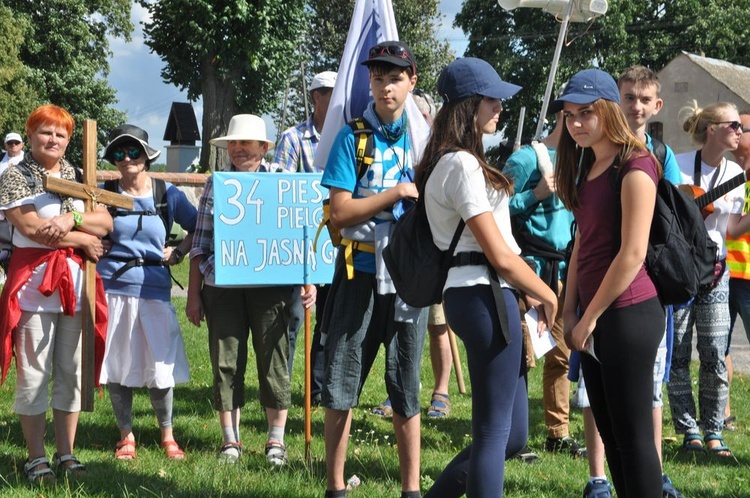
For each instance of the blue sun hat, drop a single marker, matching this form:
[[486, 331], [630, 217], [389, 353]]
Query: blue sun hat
[[585, 87], [468, 76]]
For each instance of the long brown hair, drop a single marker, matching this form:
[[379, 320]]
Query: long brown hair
[[455, 129], [573, 163]]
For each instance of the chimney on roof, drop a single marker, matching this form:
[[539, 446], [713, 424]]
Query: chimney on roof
[[181, 133]]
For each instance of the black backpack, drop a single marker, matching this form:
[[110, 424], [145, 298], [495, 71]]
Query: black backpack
[[681, 257], [418, 268]]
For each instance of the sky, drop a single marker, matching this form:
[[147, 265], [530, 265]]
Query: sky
[[146, 99]]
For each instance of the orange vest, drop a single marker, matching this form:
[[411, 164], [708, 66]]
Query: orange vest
[[738, 250]]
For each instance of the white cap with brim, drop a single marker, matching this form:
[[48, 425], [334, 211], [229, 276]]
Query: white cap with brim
[[13, 136], [326, 79], [244, 127], [129, 133]]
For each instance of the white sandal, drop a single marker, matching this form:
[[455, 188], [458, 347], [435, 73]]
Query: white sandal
[[34, 475]]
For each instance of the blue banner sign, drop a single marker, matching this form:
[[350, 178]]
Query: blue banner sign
[[264, 226]]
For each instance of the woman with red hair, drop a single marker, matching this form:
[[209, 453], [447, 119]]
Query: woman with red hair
[[41, 299]]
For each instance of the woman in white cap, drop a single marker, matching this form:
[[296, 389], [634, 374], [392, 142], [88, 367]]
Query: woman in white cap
[[144, 341], [40, 320], [480, 297], [235, 314]]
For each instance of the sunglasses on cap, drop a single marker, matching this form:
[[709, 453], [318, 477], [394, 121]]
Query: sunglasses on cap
[[132, 152], [395, 51], [733, 125]]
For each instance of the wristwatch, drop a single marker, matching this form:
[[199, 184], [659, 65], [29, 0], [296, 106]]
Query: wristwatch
[[77, 219], [178, 254]]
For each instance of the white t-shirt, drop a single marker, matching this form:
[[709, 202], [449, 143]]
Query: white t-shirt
[[7, 161], [731, 203], [457, 190], [29, 298]]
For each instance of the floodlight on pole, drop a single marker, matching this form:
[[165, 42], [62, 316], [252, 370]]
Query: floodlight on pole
[[567, 10]]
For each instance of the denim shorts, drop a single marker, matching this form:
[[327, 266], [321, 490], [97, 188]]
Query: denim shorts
[[357, 321], [660, 367]]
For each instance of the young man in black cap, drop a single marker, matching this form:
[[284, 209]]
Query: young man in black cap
[[363, 309]]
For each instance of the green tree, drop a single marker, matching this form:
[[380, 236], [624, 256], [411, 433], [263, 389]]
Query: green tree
[[520, 44], [234, 54], [417, 22], [17, 93], [64, 50]]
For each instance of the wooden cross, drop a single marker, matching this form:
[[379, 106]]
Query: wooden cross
[[91, 196]]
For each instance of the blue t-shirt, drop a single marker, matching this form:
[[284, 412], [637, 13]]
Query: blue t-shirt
[[391, 162], [129, 240], [547, 220]]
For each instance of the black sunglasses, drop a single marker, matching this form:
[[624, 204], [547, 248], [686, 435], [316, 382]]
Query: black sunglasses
[[734, 125], [133, 153], [13, 142], [394, 50]]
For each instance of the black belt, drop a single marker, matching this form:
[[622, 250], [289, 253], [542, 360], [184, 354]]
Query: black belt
[[474, 258], [135, 262]]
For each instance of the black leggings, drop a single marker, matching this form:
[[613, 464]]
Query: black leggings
[[620, 390]]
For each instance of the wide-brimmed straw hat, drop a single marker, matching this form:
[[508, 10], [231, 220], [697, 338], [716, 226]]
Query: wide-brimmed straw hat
[[129, 133], [244, 127]]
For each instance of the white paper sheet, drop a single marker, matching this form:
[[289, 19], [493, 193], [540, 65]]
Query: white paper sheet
[[541, 343]]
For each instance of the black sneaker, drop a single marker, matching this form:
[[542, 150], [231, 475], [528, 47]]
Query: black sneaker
[[565, 445], [526, 455]]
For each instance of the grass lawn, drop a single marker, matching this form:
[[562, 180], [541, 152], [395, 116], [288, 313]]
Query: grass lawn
[[372, 455]]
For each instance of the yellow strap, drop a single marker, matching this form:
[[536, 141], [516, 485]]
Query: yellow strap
[[349, 247], [326, 217], [361, 146]]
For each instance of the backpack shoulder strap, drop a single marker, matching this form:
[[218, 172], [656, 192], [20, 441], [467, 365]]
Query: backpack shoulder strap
[[111, 186], [28, 175], [659, 150], [159, 190], [364, 145]]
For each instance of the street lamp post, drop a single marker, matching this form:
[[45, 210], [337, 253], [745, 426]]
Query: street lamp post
[[571, 10]]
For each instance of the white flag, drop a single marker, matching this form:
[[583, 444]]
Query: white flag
[[372, 22]]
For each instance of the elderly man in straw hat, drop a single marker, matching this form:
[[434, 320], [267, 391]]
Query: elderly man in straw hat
[[234, 313]]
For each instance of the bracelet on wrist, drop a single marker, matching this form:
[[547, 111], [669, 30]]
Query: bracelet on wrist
[[77, 219]]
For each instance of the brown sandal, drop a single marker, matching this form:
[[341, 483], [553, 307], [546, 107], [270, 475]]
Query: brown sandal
[[125, 450], [173, 450], [440, 406]]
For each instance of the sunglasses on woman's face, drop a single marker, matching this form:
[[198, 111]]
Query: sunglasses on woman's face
[[733, 125], [133, 153]]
